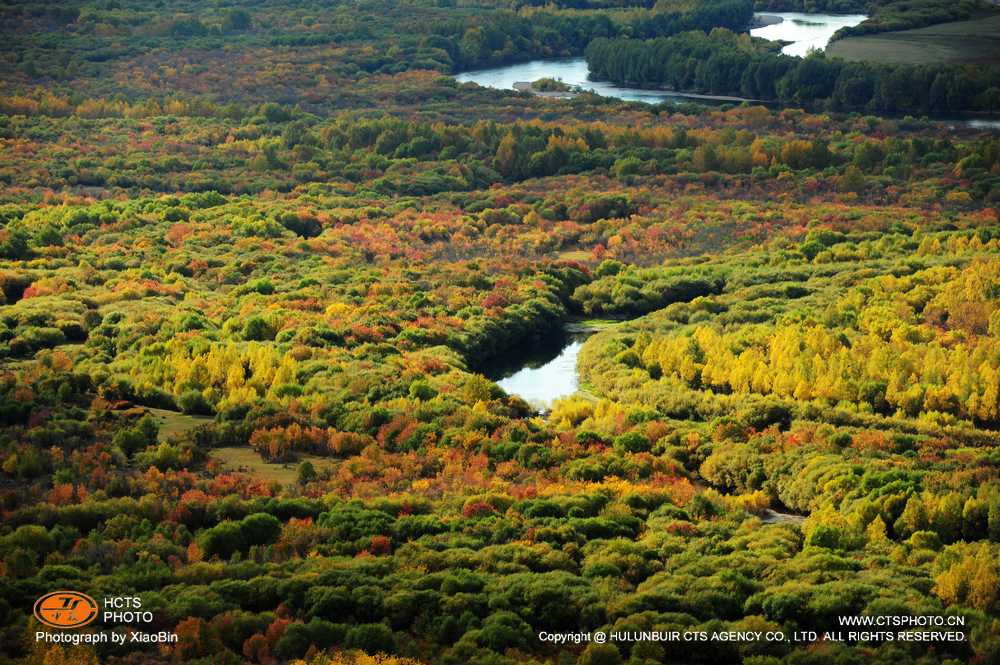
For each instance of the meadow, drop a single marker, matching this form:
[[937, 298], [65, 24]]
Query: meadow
[[973, 41]]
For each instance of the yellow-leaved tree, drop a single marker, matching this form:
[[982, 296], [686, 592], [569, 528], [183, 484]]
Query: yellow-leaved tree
[[970, 576]]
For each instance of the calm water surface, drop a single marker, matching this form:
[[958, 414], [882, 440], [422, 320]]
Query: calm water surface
[[807, 32], [572, 71], [546, 375]]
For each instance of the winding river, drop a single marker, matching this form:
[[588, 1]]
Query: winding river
[[803, 31], [571, 71]]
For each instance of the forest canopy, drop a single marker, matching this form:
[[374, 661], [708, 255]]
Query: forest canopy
[[723, 62], [259, 263]]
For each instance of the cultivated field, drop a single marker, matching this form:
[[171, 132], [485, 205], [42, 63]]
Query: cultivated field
[[974, 41]]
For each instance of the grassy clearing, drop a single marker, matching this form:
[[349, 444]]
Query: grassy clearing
[[974, 41], [245, 460], [173, 423], [591, 325]]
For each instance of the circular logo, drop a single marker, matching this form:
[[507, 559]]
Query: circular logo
[[66, 609]]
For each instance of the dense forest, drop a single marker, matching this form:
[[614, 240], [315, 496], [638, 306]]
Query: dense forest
[[115, 46], [724, 62], [256, 260]]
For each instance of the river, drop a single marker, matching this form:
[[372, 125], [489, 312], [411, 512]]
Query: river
[[574, 72], [806, 32], [544, 374], [571, 71]]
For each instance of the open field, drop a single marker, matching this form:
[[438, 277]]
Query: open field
[[575, 255], [238, 458], [974, 41], [173, 423]]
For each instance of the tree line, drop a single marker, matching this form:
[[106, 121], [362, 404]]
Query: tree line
[[722, 62]]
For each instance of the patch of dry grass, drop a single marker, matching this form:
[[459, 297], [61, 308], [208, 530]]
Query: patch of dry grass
[[246, 460]]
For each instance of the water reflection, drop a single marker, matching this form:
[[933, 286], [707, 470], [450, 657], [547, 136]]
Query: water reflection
[[547, 373], [571, 71]]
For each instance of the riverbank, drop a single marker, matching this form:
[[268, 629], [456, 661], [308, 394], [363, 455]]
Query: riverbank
[[709, 98], [764, 20], [574, 72], [527, 86], [801, 32]]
